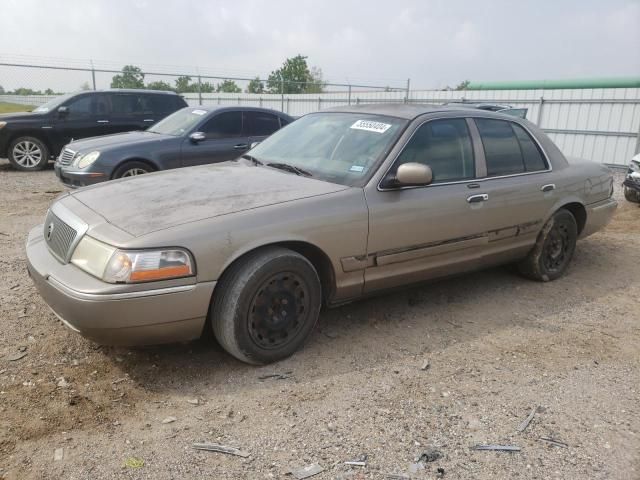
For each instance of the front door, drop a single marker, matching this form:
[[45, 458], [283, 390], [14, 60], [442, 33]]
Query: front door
[[223, 141], [416, 233], [86, 116]]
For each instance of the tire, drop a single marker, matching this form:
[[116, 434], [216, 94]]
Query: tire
[[631, 195], [132, 169], [243, 318], [28, 154], [554, 248]]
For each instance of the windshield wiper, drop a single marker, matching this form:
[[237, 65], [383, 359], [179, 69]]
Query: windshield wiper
[[290, 168], [252, 158]]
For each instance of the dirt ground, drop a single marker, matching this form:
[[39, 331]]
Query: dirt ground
[[498, 346]]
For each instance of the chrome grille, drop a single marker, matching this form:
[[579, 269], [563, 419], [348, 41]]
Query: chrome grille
[[66, 157], [59, 236]]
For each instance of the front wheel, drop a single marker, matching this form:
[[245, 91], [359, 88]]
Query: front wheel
[[266, 305], [552, 253], [28, 154], [132, 169]]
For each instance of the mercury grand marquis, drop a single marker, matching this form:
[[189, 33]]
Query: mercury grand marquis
[[338, 205]]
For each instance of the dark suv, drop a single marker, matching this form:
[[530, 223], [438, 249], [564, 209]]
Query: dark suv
[[30, 140]]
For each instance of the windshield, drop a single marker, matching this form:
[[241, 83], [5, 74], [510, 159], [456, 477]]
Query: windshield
[[178, 123], [52, 104], [336, 147]]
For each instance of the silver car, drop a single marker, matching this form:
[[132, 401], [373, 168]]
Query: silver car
[[338, 205]]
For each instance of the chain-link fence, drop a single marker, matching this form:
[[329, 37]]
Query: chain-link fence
[[601, 124], [32, 85]]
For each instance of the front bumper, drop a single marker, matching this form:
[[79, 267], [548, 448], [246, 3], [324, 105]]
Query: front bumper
[[139, 317], [77, 178], [631, 184], [598, 216]]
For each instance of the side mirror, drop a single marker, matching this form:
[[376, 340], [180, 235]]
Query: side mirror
[[254, 144], [197, 137], [63, 111], [413, 174]]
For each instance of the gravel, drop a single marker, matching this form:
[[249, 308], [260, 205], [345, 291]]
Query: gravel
[[495, 347]]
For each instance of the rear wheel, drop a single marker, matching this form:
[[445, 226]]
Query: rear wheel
[[28, 154], [266, 305], [132, 169], [552, 253], [631, 195]]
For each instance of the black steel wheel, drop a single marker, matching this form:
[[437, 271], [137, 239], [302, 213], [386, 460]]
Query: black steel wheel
[[553, 251], [265, 305]]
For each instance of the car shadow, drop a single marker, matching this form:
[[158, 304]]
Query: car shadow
[[416, 323]]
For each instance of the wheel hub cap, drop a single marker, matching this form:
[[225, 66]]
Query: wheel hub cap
[[27, 154]]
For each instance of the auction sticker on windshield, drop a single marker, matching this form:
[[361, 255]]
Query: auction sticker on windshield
[[369, 126]]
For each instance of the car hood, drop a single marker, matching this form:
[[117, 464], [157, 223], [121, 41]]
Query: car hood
[[126, 139], [5, 117], [156, 201]]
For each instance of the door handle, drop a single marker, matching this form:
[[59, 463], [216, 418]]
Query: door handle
[[482, 197], [148, 120], [241, 146], [103, 121], [548, 187]]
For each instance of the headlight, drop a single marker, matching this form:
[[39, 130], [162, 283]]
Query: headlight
[[3, 124], [131, 266], [84, 161], [634, 166]]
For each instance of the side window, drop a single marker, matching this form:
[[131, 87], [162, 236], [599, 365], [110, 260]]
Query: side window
[[125, 104], [533, 159], [283, 122], [259, 124], [160, 104], [81, 107], [501, 147], [224, 125], [444, 145]]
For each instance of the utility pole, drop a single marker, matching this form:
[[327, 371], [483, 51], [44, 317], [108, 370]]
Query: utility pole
[[408, 90], [93, 75]]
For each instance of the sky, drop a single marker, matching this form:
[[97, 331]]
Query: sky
[[435, 43]]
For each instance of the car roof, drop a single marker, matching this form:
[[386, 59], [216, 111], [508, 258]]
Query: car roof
[[217, 108], [128, 90], [408, 111]]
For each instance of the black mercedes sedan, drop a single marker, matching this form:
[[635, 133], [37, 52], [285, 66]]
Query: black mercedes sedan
[[191, 136]]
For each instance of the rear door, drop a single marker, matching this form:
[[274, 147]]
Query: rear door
[[127, 112], [518, 184], [259, 125], [224, 140]]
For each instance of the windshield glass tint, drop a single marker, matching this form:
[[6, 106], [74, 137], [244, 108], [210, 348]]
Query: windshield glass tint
[[336, 147], [179, 123], [52, 104]]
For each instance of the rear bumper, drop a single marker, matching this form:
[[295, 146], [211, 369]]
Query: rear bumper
[[598, 216], [146, 317]]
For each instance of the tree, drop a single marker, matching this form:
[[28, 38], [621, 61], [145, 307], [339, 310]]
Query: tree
[[1, 90], [293, 77], [255, 86], [159, 85], [48, 91], [463, 85], [85, 86], [183, 84], [228, 86], [317, 84], [131, 77]]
